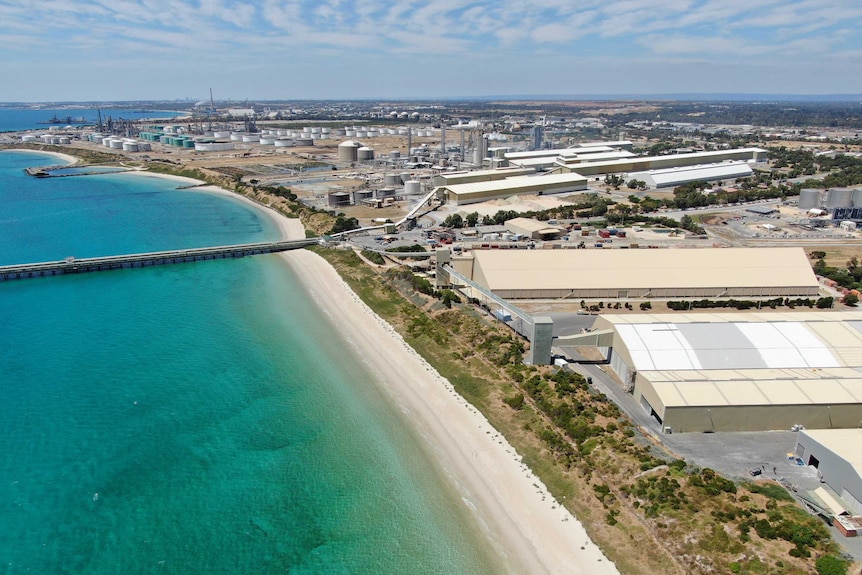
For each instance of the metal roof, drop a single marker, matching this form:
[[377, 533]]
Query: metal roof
[[845, 443], [667, 177], [515, 183], [644, 269]]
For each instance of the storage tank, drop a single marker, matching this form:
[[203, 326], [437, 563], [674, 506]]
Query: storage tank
[[348, 151], [130, 147], [364, 154], [385, 192], [391, 180], [236, 137], [360, 195], [339, 199], [221, 135], [809, 199], [144, 147], [304, 142], [116, 144], [405, 177], [250, 138], [412, 187], [284, 143], [189, 144], [339, 132], [350, 133], [267, 141], [839, 198], [28, 138]]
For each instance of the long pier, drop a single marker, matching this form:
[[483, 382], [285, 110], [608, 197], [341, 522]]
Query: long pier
[[150, 259]]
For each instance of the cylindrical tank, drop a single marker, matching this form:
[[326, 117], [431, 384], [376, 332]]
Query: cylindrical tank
[[809, 199], [221, 135], [412, 187], [339, 132], [189, 144], [236, 137], [144, 147], [405, 177], [348, 151], [267, 141], [284, 143], [304, 142], [385, 192], [28, 138], [350, 133], [839, 198], [130, 147], [116, 144], [364, 154], [250, 138], [339, 199], [391, 180], [360, 195]]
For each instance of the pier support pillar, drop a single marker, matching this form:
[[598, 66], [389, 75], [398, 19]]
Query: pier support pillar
[[541, 341], [441, 276]]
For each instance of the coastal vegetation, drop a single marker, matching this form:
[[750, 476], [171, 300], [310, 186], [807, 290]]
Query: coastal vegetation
[[649, 512]]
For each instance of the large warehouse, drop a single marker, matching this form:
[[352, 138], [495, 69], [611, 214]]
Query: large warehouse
[[627, 165], [669, 273], [741, 371], [671, 177], [473, 192], [837, 455]]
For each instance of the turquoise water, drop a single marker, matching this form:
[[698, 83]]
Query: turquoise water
[[198, 418], [13, 119]]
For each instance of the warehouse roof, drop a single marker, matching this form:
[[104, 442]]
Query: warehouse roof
[[845, 443], [516, 183], [667, 177], [644, 269]]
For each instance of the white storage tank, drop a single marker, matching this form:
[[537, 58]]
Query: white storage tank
[[236, 137], [364, 154], [267, 140], [348, 151], [391, 180], [116, 144], [144, 147], [250, 138], [304, 142], [412, 187], [284, 143], [130, 147], [28, 138], [350, 133], [405, 177], [385, 192]]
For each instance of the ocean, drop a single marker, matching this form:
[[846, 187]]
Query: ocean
[[14, 119], [197, 418]]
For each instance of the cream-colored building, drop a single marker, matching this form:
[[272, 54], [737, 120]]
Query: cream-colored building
[[741, 371], [642, 274], [473, 192]]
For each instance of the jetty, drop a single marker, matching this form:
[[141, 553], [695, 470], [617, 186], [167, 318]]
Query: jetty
[[73, 265]]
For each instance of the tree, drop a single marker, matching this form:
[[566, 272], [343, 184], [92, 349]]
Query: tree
[[453, 221], [851, 299], [830, 565], [343, 224], [472, 219]]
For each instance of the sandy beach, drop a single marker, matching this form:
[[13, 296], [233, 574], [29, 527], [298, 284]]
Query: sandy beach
[[65, 157], [520, 518]]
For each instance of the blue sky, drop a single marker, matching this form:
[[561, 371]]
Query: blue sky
[[53, 50]]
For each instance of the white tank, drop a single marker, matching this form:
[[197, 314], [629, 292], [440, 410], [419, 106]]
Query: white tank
[[250, 138], [130, 147], [324, 130], [304, 142], [364, 154], [350, 133], [405, 177], [144, 147], [284, 143], [338, 132], [221, 135], [107, 141], [116, 144], [236, 137], [315, 129], [391, 180], [412, 187], [28, 138], [348, 151], [385, 192], [361, 134]]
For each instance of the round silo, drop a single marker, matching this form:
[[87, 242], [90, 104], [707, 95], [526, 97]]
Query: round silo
[[405, 177], [839, 198], [385, 192], [304, 142], [348, 151], [391, 180], [130, 147], [236, 137], [267, 140], [412, 187], [364, 154], [284, 143]]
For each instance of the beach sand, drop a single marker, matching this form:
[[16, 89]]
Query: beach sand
[[65, 157], [521, 519]]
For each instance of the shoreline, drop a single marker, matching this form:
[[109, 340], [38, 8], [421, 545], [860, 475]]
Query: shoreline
[[522, 523], [65, 157]]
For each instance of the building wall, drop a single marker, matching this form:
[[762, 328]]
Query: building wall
[[624, 292], [836, 472], [658, 162]]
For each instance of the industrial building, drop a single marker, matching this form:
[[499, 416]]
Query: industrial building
[[532, 229], [837, 455], [641, 164], [670, 273], [471, 193], [672, 177], [454, 178], [740, 371]]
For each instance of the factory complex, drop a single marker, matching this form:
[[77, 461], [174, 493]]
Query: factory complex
[[837, 456], [740, 371]]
